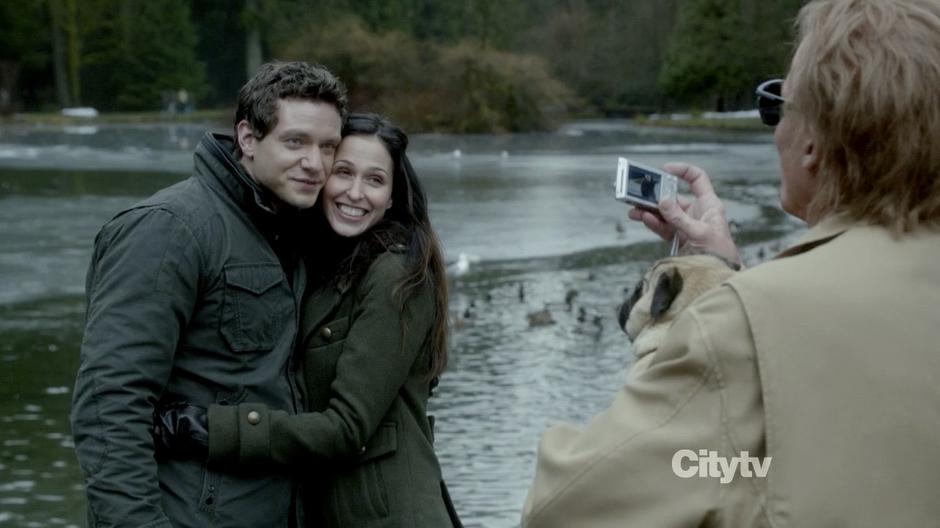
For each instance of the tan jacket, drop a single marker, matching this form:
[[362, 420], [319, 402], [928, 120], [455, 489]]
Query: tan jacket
[[826, 359]]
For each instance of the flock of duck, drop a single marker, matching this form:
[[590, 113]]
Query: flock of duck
[[545, 317], [535, 319]]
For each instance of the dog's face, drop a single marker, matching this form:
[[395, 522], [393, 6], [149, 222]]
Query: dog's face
[[666, 289]]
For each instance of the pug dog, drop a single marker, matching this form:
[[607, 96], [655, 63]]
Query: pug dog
[[666, 289]]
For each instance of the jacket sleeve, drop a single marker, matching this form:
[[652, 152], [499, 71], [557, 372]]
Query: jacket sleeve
[[374, 365], [141, 289], [700, 392]]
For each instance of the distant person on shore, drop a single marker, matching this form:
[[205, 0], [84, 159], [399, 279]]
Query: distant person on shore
[[184, 104], [818, 369], [373, 341], [193, 295]]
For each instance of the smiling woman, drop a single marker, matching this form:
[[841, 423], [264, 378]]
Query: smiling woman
[[359, 190]]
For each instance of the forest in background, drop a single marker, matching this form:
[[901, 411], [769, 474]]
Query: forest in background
[[432, 65]]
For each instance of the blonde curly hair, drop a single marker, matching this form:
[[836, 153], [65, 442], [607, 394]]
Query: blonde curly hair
[[865, 78]]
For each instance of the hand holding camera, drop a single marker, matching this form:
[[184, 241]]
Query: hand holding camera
[[643, 186], [700, 222]]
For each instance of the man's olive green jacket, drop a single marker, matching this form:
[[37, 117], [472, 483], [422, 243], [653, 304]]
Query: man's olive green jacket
[[187, 300], [365, 450]]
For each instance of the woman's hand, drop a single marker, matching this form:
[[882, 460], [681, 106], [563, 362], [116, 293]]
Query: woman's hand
[[700, 222]]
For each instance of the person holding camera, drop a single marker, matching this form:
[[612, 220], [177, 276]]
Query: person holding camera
[[802, 391]]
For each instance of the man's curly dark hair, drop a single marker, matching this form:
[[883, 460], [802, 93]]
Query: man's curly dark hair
[[257, 99]]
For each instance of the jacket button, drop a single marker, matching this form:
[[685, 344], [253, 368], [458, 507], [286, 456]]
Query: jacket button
[[254, 418], [326, 332]]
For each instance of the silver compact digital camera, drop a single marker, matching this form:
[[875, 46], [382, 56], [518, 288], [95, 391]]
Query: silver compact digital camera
[[643, 186]]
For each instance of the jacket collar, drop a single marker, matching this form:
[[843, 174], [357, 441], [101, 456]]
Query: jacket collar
[[215, 162], [825, 230]]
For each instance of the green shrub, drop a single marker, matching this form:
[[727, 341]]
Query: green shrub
[[459, 88]]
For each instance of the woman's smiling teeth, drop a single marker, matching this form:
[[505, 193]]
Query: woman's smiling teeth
[[349, 210]]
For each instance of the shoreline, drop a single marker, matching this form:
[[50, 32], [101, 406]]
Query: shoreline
[[735, 121], [211, 116], [732, 121]]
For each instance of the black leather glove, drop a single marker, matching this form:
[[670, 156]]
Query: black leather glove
[[181, 431]]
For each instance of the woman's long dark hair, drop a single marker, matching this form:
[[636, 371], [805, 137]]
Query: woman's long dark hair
[[407, 223]]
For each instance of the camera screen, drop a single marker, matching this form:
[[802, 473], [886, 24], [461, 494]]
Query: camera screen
[[643, 184]]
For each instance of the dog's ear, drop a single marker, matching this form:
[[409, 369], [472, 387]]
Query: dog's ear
[[667, 288], [623, 312]]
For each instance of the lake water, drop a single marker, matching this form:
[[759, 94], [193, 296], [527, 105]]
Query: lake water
[[533, 213]]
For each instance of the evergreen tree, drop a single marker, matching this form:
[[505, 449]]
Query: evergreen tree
[[220, 28], [708, 55], [609, 51], [25, 54], [501, 63], [143, 52], [771, 37]]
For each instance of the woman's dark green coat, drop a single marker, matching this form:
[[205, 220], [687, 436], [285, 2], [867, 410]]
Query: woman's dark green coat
[[365, 443]]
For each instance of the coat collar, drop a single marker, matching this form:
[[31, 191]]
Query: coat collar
[[825, 230], [216, 163]]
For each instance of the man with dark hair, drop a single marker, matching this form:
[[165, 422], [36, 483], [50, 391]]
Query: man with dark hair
[[192, 296]]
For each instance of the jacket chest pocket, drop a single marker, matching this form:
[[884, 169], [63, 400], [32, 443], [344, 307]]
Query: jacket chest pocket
[[257, 306]]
